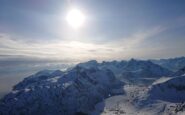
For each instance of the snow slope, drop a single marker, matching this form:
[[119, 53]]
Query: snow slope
[[134, 103], [180, 72], [172, 90]]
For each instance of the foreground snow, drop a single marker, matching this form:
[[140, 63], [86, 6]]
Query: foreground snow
[[136, 102]]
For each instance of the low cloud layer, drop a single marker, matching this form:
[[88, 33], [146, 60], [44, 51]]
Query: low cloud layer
[[76, 51]]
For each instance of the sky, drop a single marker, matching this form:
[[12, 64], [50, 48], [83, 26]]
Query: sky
[[113, 30], [34, 34]]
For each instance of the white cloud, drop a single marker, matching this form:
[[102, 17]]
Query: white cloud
[[53, 49], [80, 50]]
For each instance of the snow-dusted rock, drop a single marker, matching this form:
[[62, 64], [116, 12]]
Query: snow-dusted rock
[[172, 90], [89, 64], [132, 71], [60, 93], [180, 72], [173, 64], [142, 72]]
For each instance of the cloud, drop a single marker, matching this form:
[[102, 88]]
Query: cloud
[[53, 49], [82, 50], [75, 50]]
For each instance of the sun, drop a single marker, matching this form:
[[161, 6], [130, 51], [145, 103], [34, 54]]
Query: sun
[[75, 18]]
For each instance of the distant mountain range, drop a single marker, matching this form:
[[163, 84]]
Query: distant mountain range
[[132, 71], [173, 64], [79, 89]]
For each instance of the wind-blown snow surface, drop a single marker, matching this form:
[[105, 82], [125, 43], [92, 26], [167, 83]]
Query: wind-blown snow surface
[[133, 87]]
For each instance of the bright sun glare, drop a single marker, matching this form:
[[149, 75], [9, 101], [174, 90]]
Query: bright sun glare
[[75, 18]]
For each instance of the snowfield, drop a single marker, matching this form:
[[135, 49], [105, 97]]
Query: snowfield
[[136, 102]]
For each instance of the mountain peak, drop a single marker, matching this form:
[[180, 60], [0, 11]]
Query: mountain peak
[[77, 90]]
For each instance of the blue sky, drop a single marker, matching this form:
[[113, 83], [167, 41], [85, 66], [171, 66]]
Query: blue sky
[[114, 29]]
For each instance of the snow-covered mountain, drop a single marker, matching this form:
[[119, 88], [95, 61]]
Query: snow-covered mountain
[[78, 90], [132, 71], [143, 72], [165, 97], [115, 66], [89, 64], [179, 72], [172, 90], [173, 64], [60, 93]]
